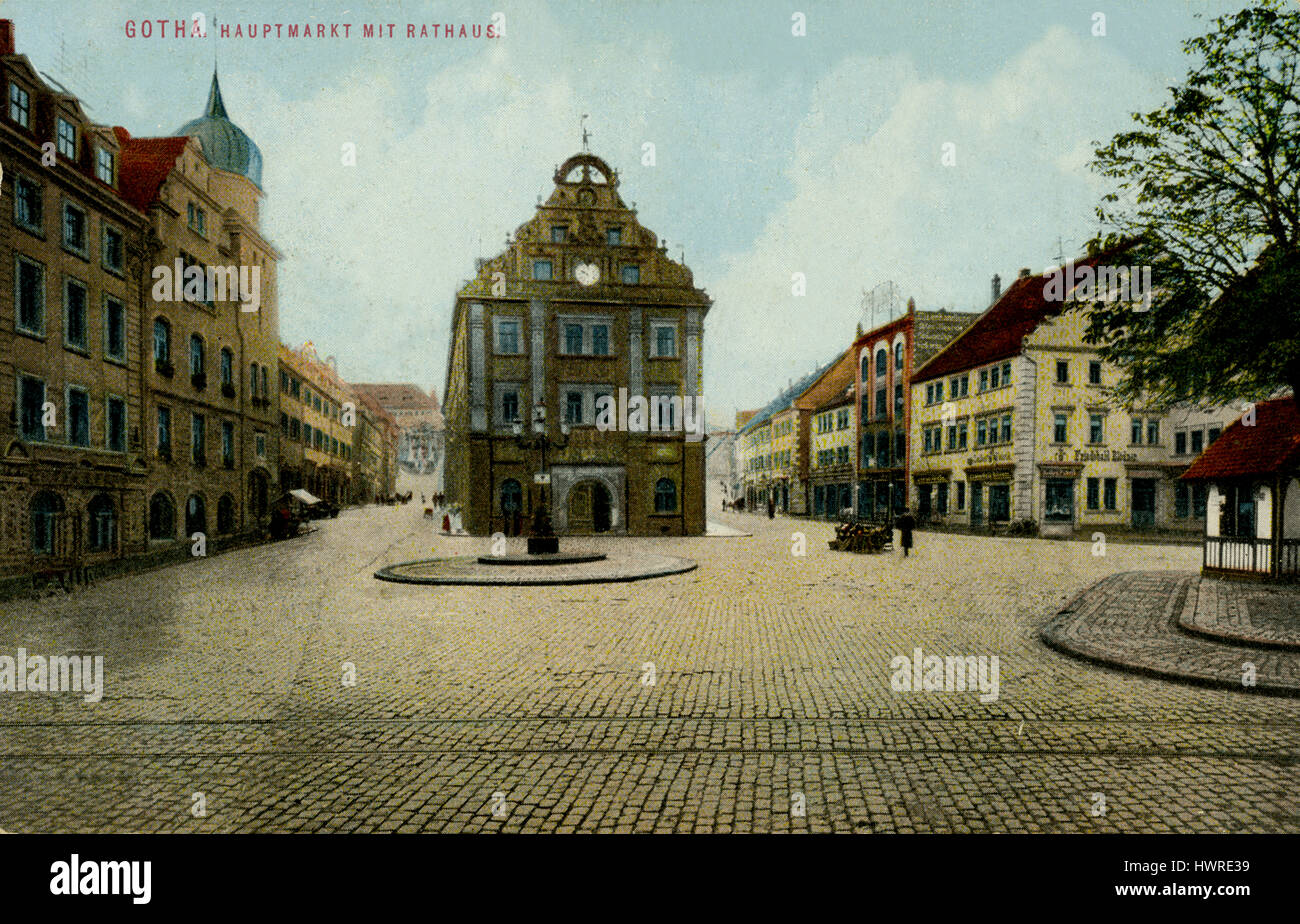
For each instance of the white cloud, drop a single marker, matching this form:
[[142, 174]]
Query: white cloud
[[872, 201]]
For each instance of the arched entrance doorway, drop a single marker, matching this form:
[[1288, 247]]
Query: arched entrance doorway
[[589, 508]]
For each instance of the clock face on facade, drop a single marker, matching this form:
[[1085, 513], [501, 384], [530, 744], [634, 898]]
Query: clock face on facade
[[586, 197], [588, 274]]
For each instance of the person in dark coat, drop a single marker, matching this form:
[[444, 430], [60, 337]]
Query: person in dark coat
[[771, 508], [905, 523]]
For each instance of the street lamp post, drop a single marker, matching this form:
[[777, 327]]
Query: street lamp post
[[541, 537]]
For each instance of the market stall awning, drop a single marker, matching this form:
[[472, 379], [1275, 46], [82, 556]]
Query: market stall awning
[[305, 496]]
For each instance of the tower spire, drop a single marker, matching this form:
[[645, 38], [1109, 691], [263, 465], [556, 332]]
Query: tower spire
[[216, 107]]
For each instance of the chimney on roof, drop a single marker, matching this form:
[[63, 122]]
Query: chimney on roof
[[6, 36], [997, 288], [1025, 272]]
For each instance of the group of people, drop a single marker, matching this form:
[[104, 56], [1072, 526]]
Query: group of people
[[905, 523], [438, 499]]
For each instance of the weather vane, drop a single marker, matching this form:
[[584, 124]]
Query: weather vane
[[586, 135]]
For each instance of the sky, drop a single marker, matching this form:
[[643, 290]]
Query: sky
[[927, 144]]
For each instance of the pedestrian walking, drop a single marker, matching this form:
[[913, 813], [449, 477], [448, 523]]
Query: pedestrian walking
[[905, 523], [771, 508]]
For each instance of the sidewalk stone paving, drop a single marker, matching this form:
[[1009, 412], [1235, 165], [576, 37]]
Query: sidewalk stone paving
[[771, 671]]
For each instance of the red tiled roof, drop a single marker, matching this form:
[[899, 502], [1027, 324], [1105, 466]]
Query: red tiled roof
[[144, 166], [1270, 447], [998, 333]]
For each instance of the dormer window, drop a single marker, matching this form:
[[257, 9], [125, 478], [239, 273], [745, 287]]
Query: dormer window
[[104, 166], [559, 234], [614, 237], [631, 275], [20, 106], [67, 139]]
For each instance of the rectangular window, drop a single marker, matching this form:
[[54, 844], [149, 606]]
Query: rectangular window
[[104, 166], [559, 234], [1060, 501], [614, 237], [984, 380], [228, 444], [31, 408], [665, 340], [508, 405], [962, 429], [1135, 431], [20, 106], [115, 425], [1182, 498], [259, 445], [508, 339], [74, 315], [938, 392], [600, 340], [1062, 372], [1198, 442], [1006, 428], [1213, 434], [1060, 428], [929, 394], [1108, 493], [573, 339], [165, 432], [78, 416], [1094, 493], [898, 401], [952, 437], [941, 502], [114, 328], [67, 138], [631, 275], [880, 402], [1180, 443], [1006, 374], [961, 495], [29, 204], [573, 407], [1200, 493], [1094, 372], [198, 439], [198, 220], [1153, 432], [31, 297], [1096, 428], [74, 228], [542, 270], [981, 433], [112, 256]]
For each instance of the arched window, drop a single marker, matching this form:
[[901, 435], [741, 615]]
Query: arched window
[[196, 515], [103, 523], [46, 507], [162, 341], [866, 368], [512, 497], [252, 380], [882, 361], [226, 514], [898, 355], [665, 496], [196, 355], [162, 517]]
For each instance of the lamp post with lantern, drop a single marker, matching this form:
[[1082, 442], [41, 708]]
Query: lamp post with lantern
[[541, 537]]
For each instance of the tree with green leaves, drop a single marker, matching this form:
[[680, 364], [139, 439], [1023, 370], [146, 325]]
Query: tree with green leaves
[[1206, 193]]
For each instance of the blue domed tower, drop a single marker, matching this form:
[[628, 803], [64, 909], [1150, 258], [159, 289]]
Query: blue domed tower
[[224, 143]]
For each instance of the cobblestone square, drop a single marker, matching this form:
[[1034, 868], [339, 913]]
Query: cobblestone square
[[482, 709]]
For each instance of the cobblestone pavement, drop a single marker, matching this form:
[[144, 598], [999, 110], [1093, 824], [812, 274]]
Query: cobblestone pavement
[[502, 571], [531, 709], [1132, 621], [1239, 612]]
